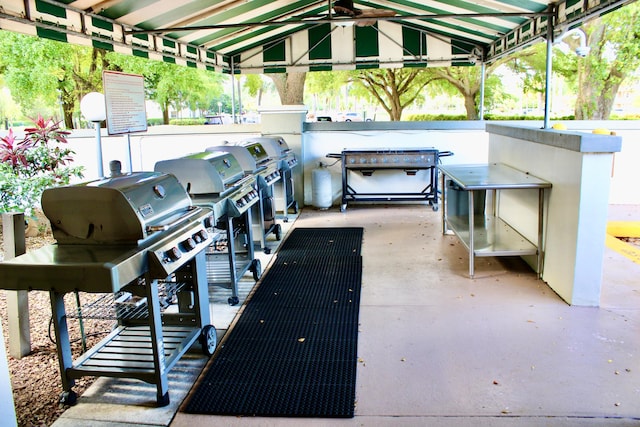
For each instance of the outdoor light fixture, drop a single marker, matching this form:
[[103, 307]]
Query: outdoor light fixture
[[93, 109], [582, 50]]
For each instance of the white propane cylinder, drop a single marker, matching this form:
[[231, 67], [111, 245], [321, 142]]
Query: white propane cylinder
[[321, 187]]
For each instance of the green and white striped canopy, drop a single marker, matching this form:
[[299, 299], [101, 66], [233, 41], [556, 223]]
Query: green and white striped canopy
[[256, 36]]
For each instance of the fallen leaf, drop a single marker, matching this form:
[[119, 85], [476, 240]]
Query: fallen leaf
[[301, 339]]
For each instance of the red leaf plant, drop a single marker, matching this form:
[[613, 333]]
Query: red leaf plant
[[12, 151]]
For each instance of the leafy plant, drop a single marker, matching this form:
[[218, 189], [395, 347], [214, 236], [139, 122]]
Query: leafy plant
[[29, 166]]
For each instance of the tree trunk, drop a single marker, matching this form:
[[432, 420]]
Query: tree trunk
[[165, 114], [290, 87], [470, 106], [67, 109]]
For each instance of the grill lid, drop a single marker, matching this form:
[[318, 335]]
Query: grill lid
[[247, 160], [275, 146], [124, 209], [210, 172]]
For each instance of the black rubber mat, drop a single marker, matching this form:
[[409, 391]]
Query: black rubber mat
[[293, 351]]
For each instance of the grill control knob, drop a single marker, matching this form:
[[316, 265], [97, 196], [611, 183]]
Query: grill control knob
[[189, 244], [174, 254], [202, 235]]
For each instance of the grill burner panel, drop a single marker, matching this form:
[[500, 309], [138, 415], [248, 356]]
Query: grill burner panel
[[389, 159]]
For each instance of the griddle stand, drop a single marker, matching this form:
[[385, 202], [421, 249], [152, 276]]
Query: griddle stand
[[367, 161]]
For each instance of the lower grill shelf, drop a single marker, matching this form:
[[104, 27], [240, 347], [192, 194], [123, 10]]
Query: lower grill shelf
[[218, 271], [127, 353]]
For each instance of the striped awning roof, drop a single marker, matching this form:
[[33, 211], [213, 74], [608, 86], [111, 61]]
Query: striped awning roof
[[255, 36]]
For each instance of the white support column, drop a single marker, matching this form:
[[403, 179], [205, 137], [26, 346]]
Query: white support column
[[17, 301], [286, 121]]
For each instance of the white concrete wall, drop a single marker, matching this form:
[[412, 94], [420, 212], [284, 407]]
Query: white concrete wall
[[469, 146], [576, 206]]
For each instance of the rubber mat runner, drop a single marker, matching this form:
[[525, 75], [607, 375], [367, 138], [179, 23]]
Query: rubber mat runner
[[293, 351]]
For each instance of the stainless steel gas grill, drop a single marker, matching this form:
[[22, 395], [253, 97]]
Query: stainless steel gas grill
[[277, 148], [405, 160], [138, 239], [253, 158], [217, 181]]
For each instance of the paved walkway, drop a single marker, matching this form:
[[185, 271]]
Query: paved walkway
[[437, 348]]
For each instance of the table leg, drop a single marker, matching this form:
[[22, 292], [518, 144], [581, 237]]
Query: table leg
[[471, 234], [65, 358], [540, 230]]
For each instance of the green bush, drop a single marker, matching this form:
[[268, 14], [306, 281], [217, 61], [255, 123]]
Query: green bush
[[30, 166], [154, 122], [462, 117], [186, 122]]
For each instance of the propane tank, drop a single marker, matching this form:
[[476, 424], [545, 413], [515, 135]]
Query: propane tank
[[321, 187]]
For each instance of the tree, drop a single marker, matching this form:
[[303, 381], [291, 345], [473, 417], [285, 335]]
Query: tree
[[42, 73], [290, 87], [467, 81], [255, 86], [323, 87], [614, 42], [615, 53], [394, 89], [172, 86]]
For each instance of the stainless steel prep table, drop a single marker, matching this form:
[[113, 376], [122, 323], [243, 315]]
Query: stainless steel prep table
[[487, 234]]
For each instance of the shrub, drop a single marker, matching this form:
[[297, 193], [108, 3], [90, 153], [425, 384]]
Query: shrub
[[186, 122], [30, 165]]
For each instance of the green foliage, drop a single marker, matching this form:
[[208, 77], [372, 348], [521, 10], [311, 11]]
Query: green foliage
[[154, 122], [435, 117], [186, 122], [29, 166], [456, 117]]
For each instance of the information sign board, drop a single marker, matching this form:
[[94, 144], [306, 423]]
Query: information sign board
[[125, 102]]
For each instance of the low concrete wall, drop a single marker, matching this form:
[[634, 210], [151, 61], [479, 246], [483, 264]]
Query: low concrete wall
[[579, 165], [468, 140]]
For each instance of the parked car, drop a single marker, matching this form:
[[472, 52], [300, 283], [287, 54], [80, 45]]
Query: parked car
[[213, 120], [350, 117]]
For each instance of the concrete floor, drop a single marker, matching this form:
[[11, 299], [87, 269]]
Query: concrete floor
[[437, 348]]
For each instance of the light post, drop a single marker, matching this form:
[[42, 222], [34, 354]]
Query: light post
[[94, 110]]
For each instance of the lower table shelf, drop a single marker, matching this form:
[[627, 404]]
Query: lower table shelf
[[491, 236]]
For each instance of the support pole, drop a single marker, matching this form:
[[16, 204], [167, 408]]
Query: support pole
[[99, 150], [233, 92], [17, 301], [482, 82], [549, 70]]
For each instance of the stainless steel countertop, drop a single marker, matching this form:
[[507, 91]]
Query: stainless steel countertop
[[492, 176]]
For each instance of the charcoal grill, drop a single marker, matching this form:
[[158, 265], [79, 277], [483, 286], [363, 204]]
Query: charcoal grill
[[253, 158], [216, 180], [137, 239], [277, 148], [409, 161]]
